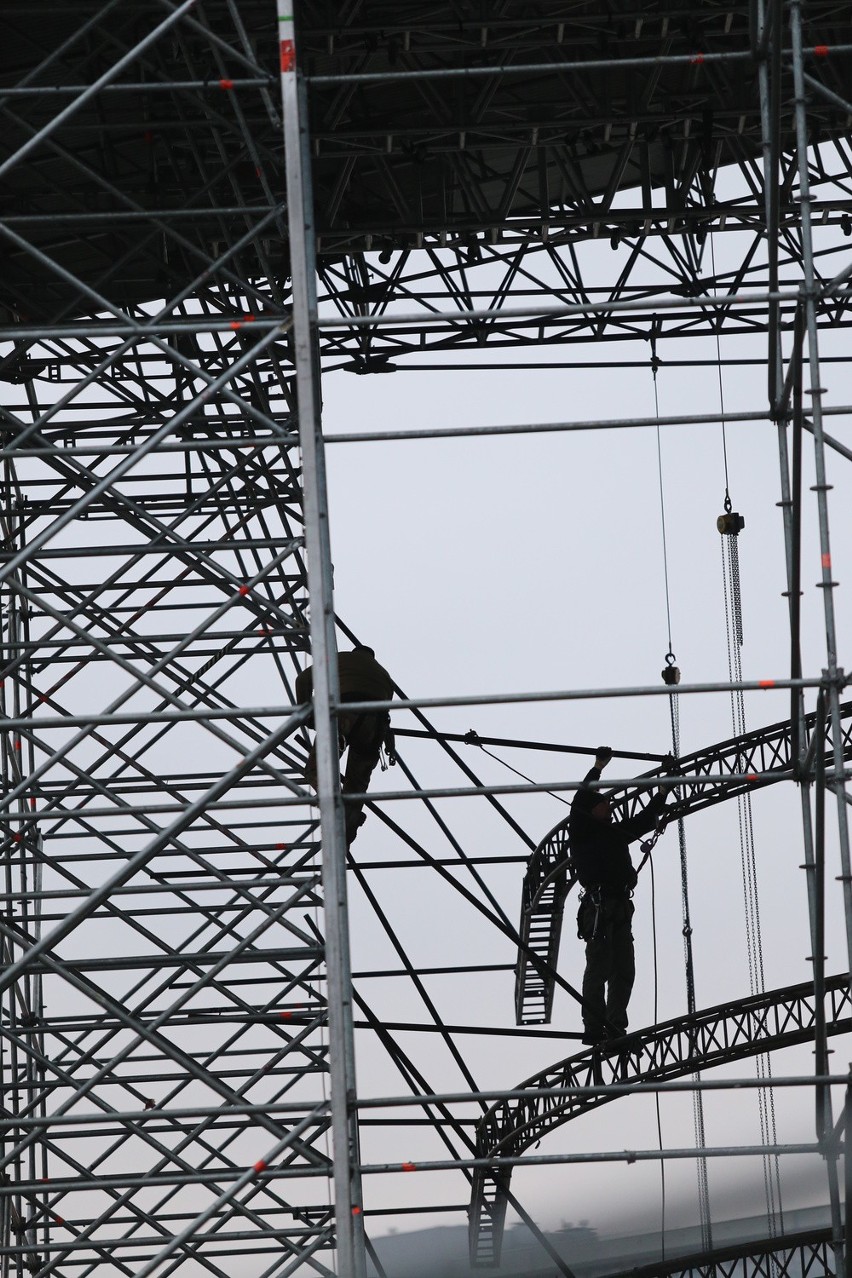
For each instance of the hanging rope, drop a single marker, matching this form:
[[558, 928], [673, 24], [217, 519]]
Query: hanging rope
[[728, 506], [671, 677], [474, 740], [655, 364], [657, 1094], [730, 525]]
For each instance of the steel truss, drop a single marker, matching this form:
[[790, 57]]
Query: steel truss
[[747, 763], [166, 1018], [176, 1028], [809, 1253], [684, 1045]]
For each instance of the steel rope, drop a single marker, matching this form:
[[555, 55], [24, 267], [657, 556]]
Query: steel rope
[[686, 928], [748, 863]]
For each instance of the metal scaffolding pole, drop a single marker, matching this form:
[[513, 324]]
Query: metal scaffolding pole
[[326, 689], [177, 996]]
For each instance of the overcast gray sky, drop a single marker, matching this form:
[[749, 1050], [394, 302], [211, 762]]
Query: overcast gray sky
[[502, 565]]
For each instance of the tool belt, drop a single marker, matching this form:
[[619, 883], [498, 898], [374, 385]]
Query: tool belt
[[593, 913]]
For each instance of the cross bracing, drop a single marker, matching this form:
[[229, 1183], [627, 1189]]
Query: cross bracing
[[750, 762], [688, 1044], [147, 346], [808, 1253]]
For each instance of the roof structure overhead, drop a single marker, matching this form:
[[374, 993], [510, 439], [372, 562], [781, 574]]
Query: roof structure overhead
[[414, 137], [187, 129], [423, 139]]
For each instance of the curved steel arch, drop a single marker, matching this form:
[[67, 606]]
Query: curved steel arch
[[684, 1045], [768, 752]]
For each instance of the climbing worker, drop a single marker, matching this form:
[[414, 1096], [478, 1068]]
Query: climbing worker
[[600, 854], [361, 679]]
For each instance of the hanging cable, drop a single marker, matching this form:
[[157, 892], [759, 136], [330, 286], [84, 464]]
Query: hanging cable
[[655, 364], [730, 524], [671, 678], [721, 385], [522, 775], [657, 1094]]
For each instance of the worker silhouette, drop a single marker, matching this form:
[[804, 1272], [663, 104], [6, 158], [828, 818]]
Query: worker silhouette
[[600, 854], [363, 732]]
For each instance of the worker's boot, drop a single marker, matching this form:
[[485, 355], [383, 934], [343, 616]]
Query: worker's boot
[[353, 825]]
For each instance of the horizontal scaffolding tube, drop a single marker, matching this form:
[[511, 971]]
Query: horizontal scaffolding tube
[[42, 91], [237, 1110], [224, 1175], [508, 314], [300, 712], [583, 694], [543, 428], [561, 68], [262, 323], [615, 1156]]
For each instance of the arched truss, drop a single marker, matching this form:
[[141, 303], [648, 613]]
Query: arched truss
[[808, 1254], [742, 764], [683, 1045]]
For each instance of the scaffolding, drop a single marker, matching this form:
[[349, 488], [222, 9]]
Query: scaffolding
[[208, 207]]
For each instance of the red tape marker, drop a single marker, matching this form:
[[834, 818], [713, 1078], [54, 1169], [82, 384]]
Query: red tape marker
[[244, 590], [697, 59], [767, 683], [409, 1167], [260, 1165], [226, 84], [288, 55], [820, 50]]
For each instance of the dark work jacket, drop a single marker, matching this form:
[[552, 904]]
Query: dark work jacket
[[600, 851], [361, 679]]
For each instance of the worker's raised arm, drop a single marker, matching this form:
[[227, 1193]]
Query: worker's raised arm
[[603, 754]]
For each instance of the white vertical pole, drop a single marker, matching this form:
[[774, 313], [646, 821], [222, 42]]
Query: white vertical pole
[[347, 1179]]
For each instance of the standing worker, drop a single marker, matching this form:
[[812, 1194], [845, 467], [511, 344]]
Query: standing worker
[[364, 732], [600, 853]]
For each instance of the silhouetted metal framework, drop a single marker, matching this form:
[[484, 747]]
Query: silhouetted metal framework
[[807, 1253], [175, 999], [763, 757], [680, 1046]]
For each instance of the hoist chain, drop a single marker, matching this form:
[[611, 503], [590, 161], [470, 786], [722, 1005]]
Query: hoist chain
[[734, 561]]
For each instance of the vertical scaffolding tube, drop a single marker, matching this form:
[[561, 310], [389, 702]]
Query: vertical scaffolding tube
[[347, 1186], [770, 35], [834, 676], [824, 1119]]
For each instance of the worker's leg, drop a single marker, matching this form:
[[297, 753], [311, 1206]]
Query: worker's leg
[[344, 722], [595, 977], [365, 743], [623, 969], [311, 766]]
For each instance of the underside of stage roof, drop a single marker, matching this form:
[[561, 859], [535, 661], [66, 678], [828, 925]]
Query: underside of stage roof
[[593, 100]]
